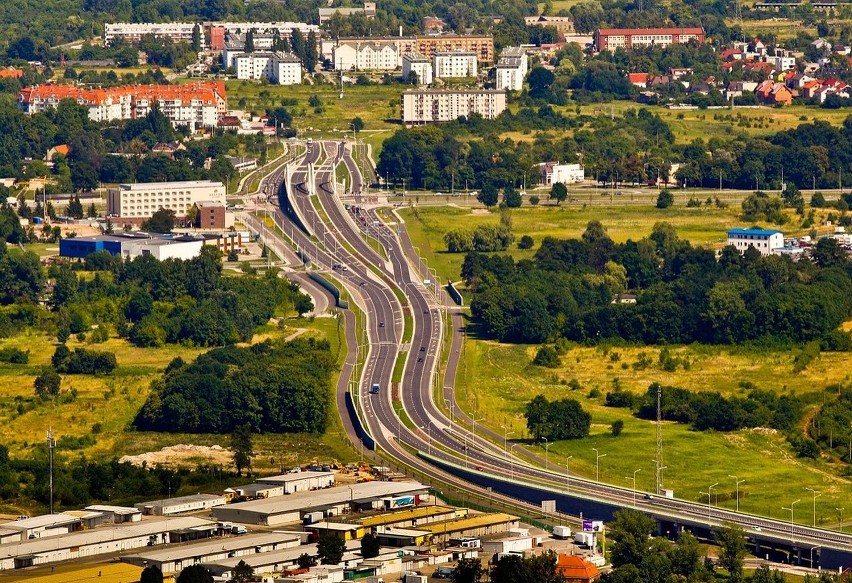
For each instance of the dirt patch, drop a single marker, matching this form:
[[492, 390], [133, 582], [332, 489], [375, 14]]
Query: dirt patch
[[186, 455], [480, 212]]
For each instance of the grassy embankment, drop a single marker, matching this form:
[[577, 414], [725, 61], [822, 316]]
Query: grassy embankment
[[499, 380]]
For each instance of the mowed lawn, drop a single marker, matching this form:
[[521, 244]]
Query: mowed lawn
[[497, 380], [427, 226], [113, 401]]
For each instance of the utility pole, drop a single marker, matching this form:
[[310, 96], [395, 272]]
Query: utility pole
[[51, 444]]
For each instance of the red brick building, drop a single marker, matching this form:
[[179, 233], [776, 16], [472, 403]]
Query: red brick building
[[610, 39], [211, 215]]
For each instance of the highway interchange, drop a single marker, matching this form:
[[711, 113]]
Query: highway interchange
[[390, 288]]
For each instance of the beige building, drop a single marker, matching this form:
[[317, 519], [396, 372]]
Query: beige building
[[562, 24], [429, 106], [141, 200], [455, 64], [479, 44]]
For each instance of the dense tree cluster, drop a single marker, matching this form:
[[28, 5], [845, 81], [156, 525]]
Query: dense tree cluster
[[271, 387], [553, 420], [79, 481], [684, 293], [711, 410], [482, 238], [831, 426], [82, 361]]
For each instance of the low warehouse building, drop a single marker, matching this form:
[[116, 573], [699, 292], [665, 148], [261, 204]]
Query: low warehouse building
[[174, 559], [393, 536], [102, 540], [300, 481], [413, 517], [275, 561], [181, 504], [40, 527], [471, 526], [117, 514], [290, 509], [345, 530]]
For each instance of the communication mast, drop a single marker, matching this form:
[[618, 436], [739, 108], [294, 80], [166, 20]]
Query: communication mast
[[659, 459], [51, 444]]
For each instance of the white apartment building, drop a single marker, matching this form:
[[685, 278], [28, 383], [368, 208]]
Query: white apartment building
[[511, 69], [132, 32], [764, 240], [454, 64], [141, 200], [285, 29], [553, 172], [366, 56], [420, 66], [427, 106], [279, 68]]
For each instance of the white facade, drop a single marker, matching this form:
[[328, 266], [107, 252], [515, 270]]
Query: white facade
[[418, 65], [162, 249], [132, 32], [421, 106], [765, 241], [141, 200], [95, 541], [285, 29], [567, 173], [366, 56], [454, 64], [300, 482], [512, 69], [181, 504], [279, 68]]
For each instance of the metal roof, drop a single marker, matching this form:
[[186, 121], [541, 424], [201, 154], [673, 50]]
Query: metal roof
[[214, 546], [43, 521], [478, 521], [152, 525], [406, 514], [180, 500], [322, 498], [763, 232], [295, 477]]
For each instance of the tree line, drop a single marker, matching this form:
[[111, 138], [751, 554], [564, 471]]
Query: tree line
[[684, 294], [277, 387]]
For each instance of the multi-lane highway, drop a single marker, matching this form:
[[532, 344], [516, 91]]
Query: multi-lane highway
[[389, 288]]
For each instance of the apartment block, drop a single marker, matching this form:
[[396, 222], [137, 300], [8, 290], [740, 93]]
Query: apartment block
[[132, 32], [454, 64], [367, 55], [279, 68], [429, 106], [511, 69], [481, 45], [420, 66], [194, 104], [141, 200]]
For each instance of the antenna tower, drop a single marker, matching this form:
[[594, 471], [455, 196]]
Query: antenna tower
[[51, 444]]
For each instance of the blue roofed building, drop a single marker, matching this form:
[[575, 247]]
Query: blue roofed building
[[764, 240]]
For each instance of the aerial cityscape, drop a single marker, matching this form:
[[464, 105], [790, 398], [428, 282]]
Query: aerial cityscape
[[520, 292]]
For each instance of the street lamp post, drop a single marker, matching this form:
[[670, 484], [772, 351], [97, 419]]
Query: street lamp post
[[840, 510], [598, 457], [738, 482], [506, 434], [792, 505], [709, 490], [568, 475], [634, 486], [473, 430], [816, 494], [547, 445]]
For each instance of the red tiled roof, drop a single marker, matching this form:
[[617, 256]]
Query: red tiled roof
[[638, 77], [207, 92], [573, 567], [11, 72]]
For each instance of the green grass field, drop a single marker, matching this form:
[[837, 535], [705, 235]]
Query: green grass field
[[376, 105], [427, 225], [113, 401], [498, 380]]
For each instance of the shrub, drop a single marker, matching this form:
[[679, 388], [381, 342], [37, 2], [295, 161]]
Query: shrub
[[547, 357], [665, 199], [526, 242], [14, 356], [617, 427]]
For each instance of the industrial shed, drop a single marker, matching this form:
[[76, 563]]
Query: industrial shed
[[117, 514], [472, 526], [274, 561], [181, 504], [413, 517], [38, 527], [393, 536], [174, 559], [101, 540], [290, 509], [300, 481]]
